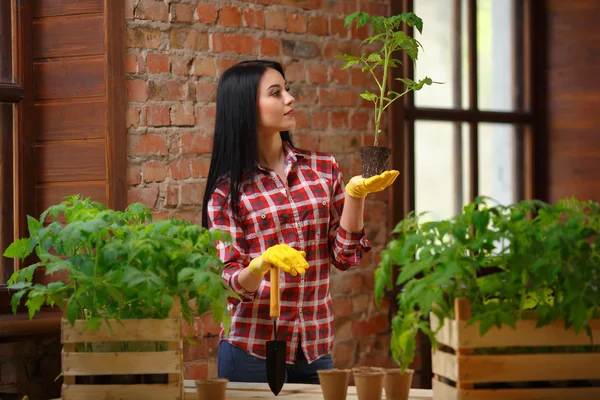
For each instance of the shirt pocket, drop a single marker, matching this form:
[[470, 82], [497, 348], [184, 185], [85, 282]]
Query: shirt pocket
[[261, 227], [317, 209]]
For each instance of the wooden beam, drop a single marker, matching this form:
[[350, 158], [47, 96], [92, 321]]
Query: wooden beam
[[116, 130]]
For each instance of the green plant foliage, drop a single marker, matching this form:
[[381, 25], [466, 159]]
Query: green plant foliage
[[119, 264], [545, 257], [387, 40]]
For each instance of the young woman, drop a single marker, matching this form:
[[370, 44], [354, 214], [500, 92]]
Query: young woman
[[284, 208]]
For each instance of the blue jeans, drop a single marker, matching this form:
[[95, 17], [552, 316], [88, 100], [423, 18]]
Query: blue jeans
[[238, 366]]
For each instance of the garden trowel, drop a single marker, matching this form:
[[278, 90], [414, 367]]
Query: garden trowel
[[276, 349]]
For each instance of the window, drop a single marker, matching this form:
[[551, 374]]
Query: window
[[475, 133], [16, 110], [470, 136]]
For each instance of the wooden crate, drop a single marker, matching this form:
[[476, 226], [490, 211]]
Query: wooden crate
[[169, 362], [457, 363]]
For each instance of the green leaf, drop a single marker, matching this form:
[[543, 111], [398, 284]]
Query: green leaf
[[374, 58], [18, 249], [15, 300], [33, 225], [368, 96]]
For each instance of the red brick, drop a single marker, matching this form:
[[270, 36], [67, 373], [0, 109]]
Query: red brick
[[204, 66], [224, 63], [132, 117], [158, 115], [339, 119], [188, 39], [200, 167], [134, 175], [170, 90], [144, 38], [359, 120], [320, 119], [296, 23], [171, 197], [192, 193], [196, 371], [254, 18], [302, 121], [241, 44], [359, 78], [180, 169], [147, 195], [339, 48], [370, 326], [295, 72], [361, 33], [137, 90], [188, 215], [270, 47], [230, 16], [157, 63], [339, 75], [131, 64], [318, 25], [148, 144], [344, 353], [205, 116], [342, 307], [194, 143], [209, 327], [337, 97], [317, 73], [206, 13], [154, 171], [305, 4], [181, 65], [206, 91], [361, 303], [128, 10], [182, 115], [182, 12], [337, 28], [275, 20], [152, 10]]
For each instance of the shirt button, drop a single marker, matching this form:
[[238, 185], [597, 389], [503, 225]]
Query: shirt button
[[300, 310], [263, 216], [297, 224], [324, 203]]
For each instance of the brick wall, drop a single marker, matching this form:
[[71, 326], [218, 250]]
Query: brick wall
[[176, 50]]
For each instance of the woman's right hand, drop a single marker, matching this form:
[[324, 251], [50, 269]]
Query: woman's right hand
[[281, 256]]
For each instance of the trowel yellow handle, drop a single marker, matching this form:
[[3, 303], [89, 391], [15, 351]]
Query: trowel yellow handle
[[274, 300]]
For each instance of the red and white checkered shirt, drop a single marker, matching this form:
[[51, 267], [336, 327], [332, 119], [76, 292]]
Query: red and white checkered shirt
[[306, 216]]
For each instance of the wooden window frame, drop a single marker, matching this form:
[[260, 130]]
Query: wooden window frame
[[21, 92], [531, 150]]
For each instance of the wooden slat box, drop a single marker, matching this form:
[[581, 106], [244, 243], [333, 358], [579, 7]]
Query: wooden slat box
[[169, 362], [458, 361]]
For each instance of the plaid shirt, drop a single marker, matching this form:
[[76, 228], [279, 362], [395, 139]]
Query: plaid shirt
[[306, 216]]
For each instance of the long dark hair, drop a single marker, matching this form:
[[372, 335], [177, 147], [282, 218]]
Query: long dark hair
[[235, 141]]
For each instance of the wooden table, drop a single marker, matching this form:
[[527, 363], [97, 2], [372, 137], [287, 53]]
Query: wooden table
[[290, 391]]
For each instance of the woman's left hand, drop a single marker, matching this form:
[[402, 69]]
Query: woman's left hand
[[358, 187]]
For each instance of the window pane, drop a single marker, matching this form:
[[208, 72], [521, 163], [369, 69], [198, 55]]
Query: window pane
[[436, 59], [497, 155], [5, 42], [6, 188], [495, 44], [441, 168]]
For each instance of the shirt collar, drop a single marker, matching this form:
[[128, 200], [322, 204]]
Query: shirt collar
[[291, 155]]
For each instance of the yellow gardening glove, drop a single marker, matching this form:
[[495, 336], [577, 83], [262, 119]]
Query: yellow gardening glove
[[359, 187], [281, 256]]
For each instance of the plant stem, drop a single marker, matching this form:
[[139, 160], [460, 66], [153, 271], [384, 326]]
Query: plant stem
[[379, 107]]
